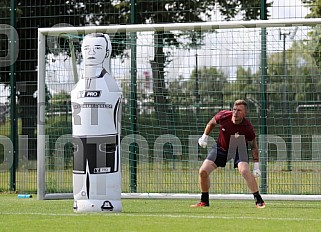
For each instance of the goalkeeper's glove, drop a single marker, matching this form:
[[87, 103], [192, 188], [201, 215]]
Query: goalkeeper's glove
[[256, 169], [203, 141]]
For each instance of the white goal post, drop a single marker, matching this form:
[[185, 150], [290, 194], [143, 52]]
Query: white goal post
[[79, 32]]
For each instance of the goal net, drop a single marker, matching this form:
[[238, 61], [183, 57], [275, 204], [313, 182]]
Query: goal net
[[175, 77]]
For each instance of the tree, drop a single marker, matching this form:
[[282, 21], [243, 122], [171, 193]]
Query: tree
[[211, 83], [245, 86], [314, 7], [302, 81], [315, 12]]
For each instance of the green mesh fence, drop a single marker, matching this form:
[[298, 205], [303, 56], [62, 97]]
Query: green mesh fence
[[204, 74]]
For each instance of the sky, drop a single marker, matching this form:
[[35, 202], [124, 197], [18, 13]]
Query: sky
[[288, 9]]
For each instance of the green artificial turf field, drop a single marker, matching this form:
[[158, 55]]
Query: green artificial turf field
[[152, 215]]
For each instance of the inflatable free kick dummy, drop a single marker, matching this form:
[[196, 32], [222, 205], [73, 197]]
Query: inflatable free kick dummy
[[96, 120]]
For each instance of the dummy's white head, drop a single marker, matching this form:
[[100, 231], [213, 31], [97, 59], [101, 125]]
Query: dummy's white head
[[96, 50]]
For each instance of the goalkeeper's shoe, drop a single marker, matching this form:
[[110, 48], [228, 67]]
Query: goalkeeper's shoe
[[200, 204], [260, 204]]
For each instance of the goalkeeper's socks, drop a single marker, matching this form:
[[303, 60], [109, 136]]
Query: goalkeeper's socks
[[258, 200], [257, 197], [205, 198]]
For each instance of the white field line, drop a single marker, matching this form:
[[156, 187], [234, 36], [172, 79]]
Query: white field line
[[166, 216]]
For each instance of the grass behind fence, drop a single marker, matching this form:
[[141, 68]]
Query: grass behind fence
[[304, 178]]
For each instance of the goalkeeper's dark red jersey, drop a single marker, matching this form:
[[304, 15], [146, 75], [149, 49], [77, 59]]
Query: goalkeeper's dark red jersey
[[228, 128]]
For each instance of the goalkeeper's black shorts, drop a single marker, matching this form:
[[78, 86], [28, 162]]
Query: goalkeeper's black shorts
[[219, 156]]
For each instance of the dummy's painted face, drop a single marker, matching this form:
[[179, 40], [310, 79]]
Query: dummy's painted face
[[94, 51]]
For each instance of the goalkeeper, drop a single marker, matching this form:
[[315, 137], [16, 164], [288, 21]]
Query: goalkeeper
[[236, 133]]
